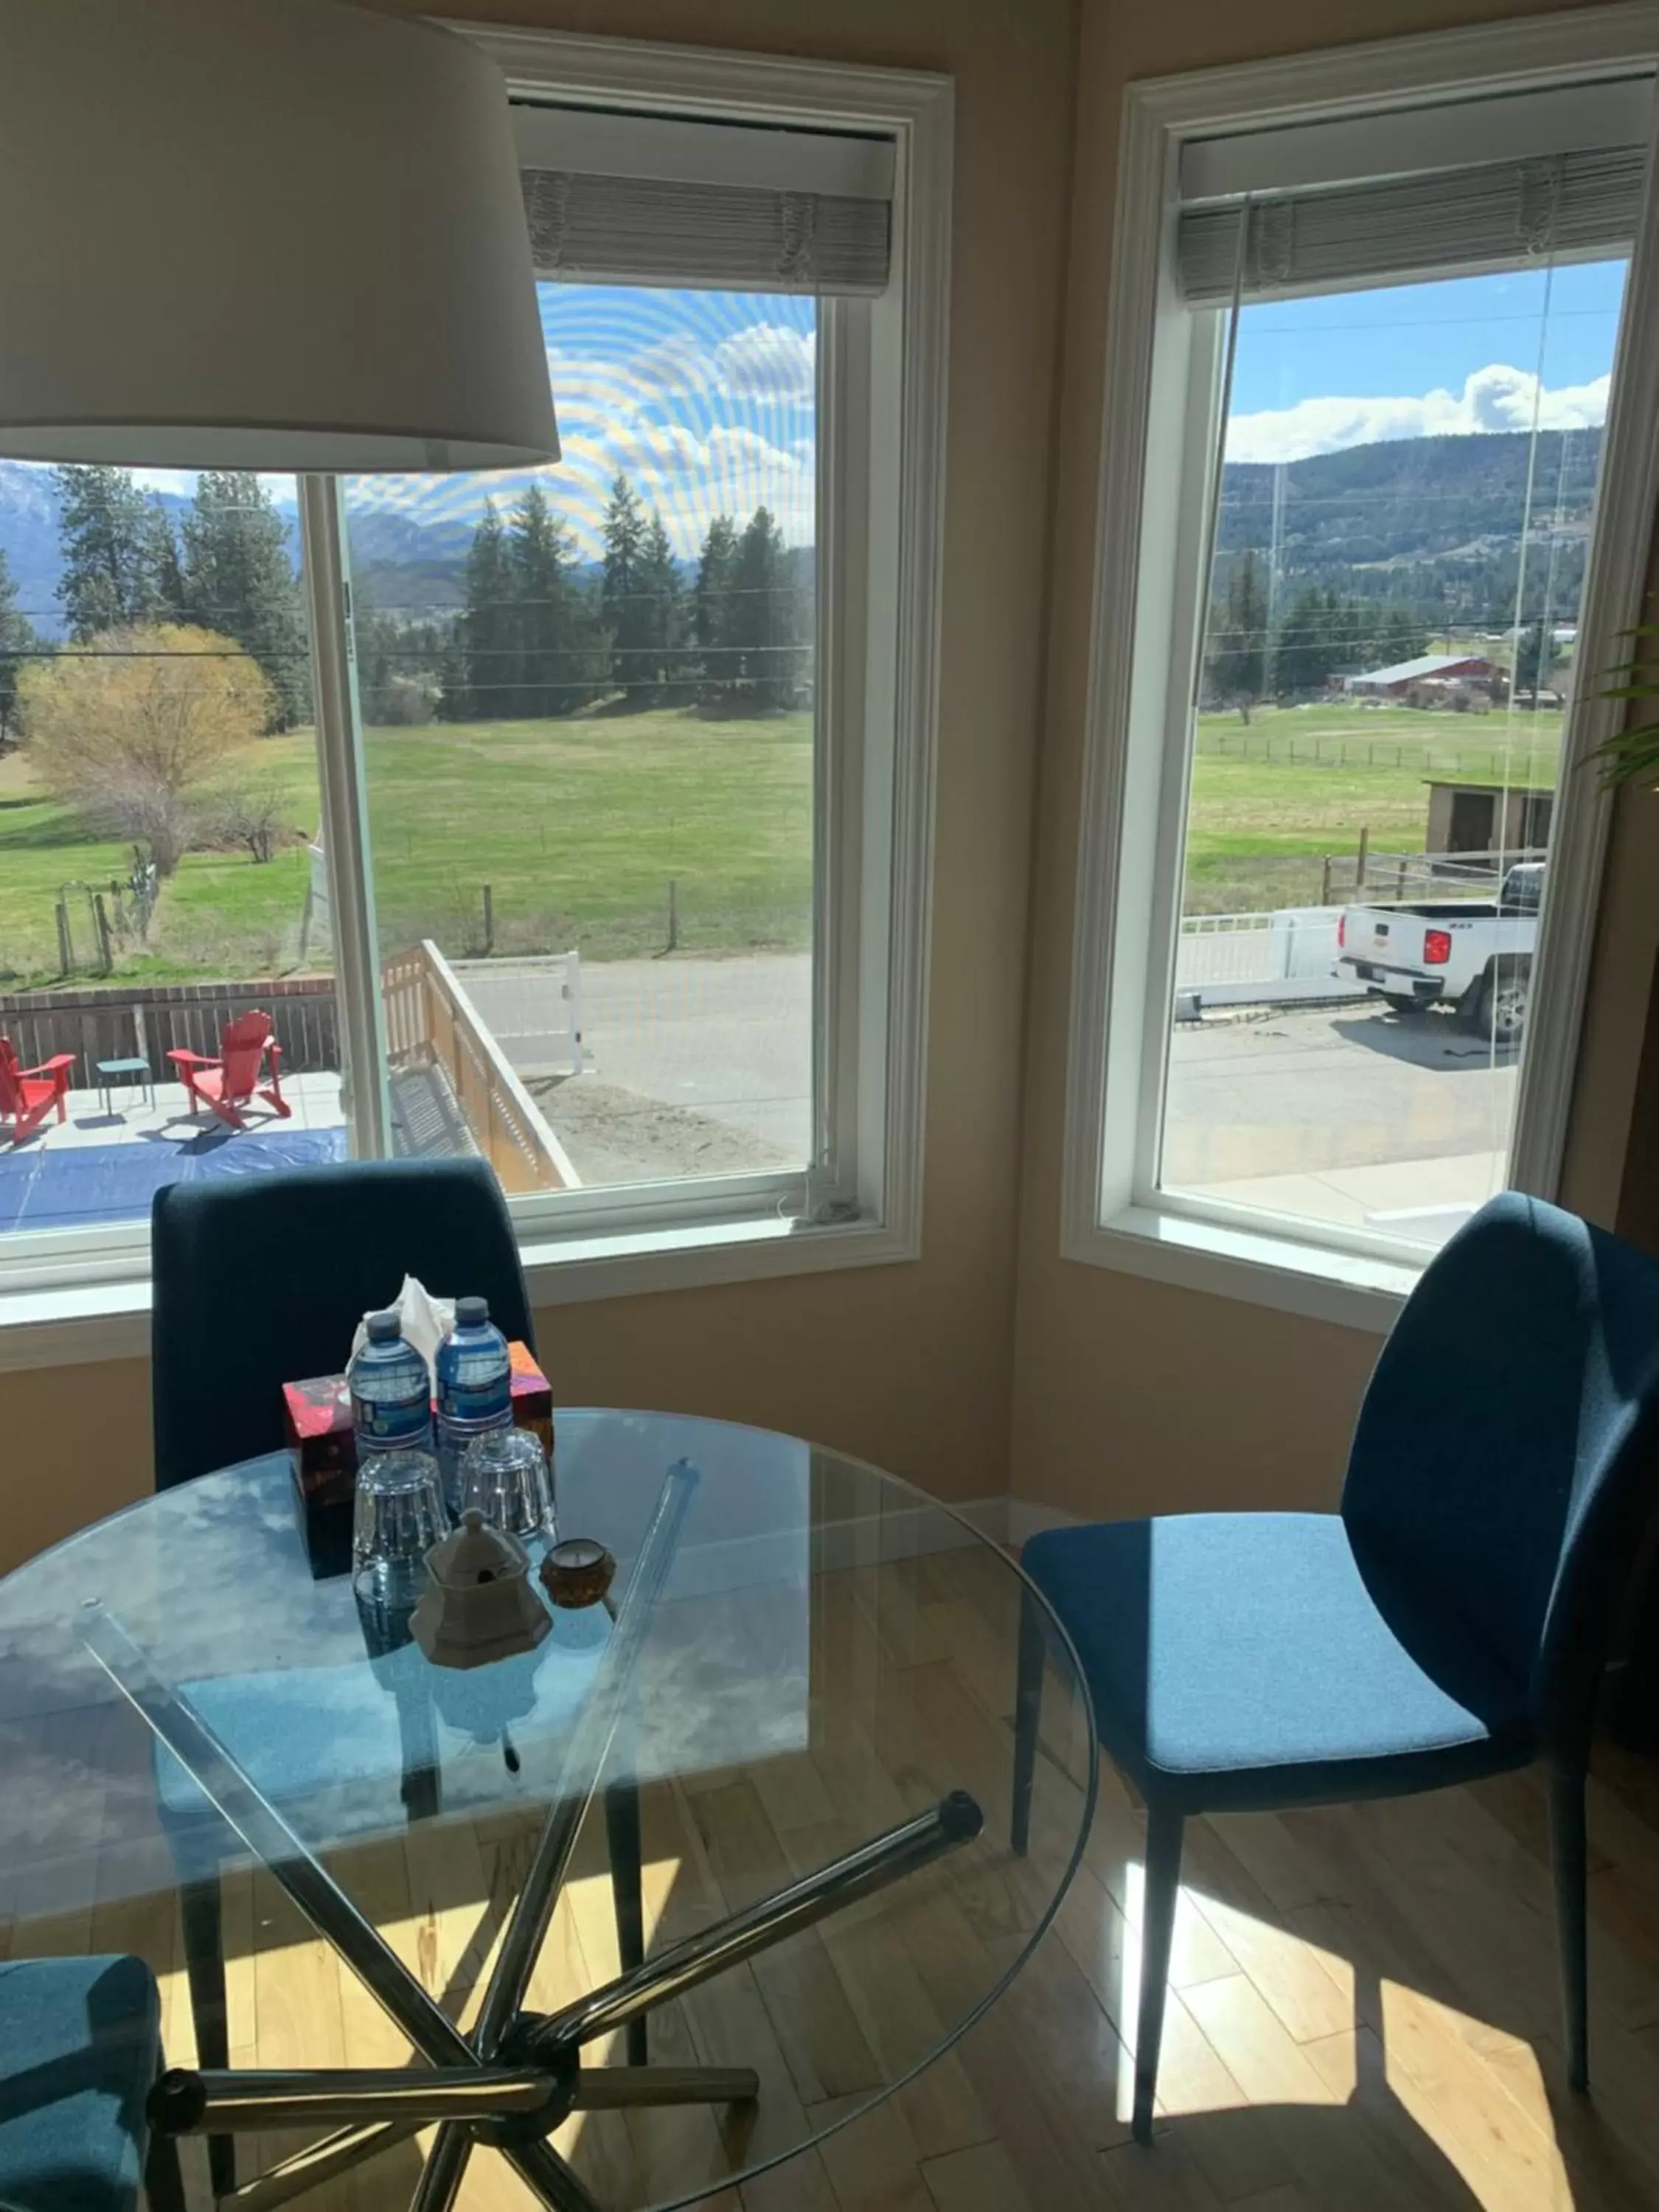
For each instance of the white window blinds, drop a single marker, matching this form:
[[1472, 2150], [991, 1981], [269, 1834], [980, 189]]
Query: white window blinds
[[642, 199], [1571, 205], [1387, 199]]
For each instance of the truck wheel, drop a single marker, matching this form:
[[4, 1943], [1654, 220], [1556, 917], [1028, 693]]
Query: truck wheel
[[1500, 1007], [1405, 1002]]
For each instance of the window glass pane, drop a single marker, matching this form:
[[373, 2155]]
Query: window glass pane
[[588, 702], [1405, 513], [158, 826]]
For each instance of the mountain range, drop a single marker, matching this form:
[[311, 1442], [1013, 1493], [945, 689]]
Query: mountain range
[[399, 563], [1432, 524]]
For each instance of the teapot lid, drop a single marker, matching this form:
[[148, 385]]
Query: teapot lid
[[478, 1551]]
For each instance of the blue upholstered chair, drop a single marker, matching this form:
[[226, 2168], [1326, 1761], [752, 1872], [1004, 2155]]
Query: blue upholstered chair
[[80, 2048], [1450, 1622], [261, 1280]]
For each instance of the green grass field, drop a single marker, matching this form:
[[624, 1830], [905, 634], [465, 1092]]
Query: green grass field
[[579, 827]]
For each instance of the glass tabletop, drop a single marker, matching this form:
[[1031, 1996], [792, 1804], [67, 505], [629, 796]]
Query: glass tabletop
[[826, 1656]]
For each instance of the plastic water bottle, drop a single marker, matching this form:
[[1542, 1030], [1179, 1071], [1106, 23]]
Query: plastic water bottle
[[391, 1392], [474, 1386]]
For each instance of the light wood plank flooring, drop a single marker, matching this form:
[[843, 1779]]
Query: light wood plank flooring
[[1363, 2013]]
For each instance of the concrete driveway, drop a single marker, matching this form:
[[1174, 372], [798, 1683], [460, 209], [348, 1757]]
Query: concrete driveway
[[1341, 1113]]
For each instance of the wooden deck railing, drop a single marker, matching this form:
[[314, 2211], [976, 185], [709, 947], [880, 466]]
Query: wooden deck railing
[[122, 1021], [431, 1022]]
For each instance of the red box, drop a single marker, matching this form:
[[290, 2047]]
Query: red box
[[323, 1452]]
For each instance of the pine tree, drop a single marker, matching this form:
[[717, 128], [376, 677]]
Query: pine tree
[[546, 676], [762, 612], [239, 582], [17, 641], [169, 592], [660, 583], [624, 605], [1535, 656], [452, 690], [109, 547], [488, 629], [1303, 651], [1400, 637], [713, 607], [1238, 644]]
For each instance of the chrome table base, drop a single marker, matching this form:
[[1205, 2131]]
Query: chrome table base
[[518, 2075]]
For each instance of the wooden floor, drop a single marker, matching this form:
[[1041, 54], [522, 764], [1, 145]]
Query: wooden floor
[[1363, 2015]]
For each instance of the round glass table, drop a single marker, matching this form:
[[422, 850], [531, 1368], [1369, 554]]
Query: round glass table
[[715, 1866]]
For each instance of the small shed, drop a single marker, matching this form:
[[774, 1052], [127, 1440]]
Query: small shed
[[1488, 818]]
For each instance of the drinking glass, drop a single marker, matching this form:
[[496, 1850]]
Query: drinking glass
[[400, 1514], [504, 1474]]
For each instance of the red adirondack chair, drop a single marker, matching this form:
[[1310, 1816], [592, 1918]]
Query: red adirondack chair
[[27, 1095], [248, 1049]]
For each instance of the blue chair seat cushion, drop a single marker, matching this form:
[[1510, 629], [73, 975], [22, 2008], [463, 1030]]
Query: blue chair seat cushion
[[1246, 1660], [80, 2046]]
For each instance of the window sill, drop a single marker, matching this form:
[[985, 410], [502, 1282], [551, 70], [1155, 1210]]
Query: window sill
[[1258, 1267], [75, 1324]]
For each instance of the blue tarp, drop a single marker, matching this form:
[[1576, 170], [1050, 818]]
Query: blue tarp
[[70, 1188]]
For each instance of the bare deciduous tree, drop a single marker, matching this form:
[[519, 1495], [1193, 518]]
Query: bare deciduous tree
[[255, 815], [127, 727]]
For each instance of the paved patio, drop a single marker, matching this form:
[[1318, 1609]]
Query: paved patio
[[98, 1167]]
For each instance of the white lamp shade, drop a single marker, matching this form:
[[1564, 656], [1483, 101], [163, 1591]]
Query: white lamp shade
[[277, 234]]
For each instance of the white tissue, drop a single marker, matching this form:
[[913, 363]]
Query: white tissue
[[424, 1320]]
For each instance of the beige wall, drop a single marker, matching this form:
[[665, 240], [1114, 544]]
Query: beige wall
[[1131, 1397], [910, 1365]]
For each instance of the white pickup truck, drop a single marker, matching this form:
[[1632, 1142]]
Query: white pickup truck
[[1475, 955]]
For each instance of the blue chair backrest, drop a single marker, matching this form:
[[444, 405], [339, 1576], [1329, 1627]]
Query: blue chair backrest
[[1507, 1454], [261, 1280]]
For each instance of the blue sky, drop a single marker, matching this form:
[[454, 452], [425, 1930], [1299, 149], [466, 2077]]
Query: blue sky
[[1464, 354], [704, 400]]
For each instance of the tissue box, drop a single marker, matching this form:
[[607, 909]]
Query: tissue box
[[323, 1453]]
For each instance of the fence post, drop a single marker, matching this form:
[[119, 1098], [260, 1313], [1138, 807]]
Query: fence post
[[105, 957], [1325, 881], [674, 944], [1360, 862], [66, 949], [489, 918]]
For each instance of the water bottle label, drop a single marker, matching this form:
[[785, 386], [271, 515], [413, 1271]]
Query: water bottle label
[[475, 1401], [402, 1421]]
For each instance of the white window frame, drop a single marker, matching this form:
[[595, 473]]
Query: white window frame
[[1160, 383], [84, 1294]]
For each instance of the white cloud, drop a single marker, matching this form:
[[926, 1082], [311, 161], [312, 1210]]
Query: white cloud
[[181, 483], [768, 362], [1495, 397], [690, 477], [674, 367]]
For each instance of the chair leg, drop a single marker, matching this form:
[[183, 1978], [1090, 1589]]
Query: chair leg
[[1163, 1834], [204, 1963], [164, 2180], [1567, 1861], [1027, 1710], [621, 1834]]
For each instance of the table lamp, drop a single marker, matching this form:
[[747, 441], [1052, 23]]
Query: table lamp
[[270, 234]]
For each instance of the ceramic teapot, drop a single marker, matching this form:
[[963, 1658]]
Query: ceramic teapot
[[482, 1604]]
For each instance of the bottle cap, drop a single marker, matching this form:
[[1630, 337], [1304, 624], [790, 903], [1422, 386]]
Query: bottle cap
[[383, 1326], [472, 1313]]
